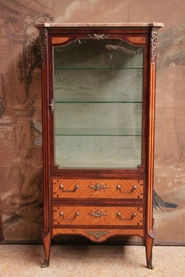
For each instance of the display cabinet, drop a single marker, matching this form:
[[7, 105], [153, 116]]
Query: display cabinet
[[98, 107]]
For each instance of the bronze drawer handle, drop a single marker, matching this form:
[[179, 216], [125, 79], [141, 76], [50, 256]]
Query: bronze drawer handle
[[98, 187], [62, 187], [133, 188], [98, 214], [76, 214], [132, 216]]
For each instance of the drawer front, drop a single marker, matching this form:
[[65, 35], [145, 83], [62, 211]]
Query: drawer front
[[88, 188], [69, 215]]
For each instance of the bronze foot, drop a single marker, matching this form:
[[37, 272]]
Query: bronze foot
[[45, 263]]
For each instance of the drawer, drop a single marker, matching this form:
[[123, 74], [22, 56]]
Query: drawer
[[90, 216], [89, 188]]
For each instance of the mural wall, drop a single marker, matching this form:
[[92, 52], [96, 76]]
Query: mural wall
[[21, 206]]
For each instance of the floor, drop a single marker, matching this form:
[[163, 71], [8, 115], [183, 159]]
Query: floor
[[91, 261]]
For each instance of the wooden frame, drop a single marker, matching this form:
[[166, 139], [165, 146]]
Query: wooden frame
[[145, 35]]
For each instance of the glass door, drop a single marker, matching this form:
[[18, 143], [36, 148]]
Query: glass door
[[98, 91]]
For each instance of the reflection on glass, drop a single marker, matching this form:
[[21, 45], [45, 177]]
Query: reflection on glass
[[98, 89]]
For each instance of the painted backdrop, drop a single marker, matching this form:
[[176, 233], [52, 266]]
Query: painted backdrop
[[21, 206]]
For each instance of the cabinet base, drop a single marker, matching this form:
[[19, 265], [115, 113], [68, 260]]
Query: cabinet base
[[98, 236]]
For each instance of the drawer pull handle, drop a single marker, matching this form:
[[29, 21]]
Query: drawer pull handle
[[98, 214], [75, 188], [133, 188], [98, 187], [132, 216], [76, 214]]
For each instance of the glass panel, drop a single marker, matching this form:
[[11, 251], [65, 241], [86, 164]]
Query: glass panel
[[98, 88]]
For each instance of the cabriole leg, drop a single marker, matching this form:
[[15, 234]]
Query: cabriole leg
[[46, 238], [149, 245]]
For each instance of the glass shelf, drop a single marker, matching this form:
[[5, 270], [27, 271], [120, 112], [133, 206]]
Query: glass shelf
[[97, 132], [96, 68], [89, 101]]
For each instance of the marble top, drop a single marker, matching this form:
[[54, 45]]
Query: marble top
[[127, 24]]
